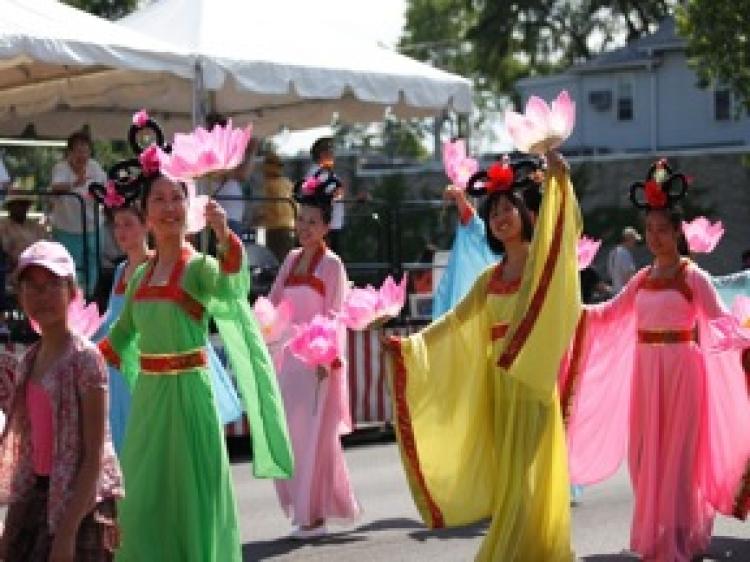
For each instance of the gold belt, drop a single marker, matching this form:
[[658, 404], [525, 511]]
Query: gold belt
[[173, 363], [656, 337]]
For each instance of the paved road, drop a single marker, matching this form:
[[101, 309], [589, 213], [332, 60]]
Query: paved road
[[390, 528]]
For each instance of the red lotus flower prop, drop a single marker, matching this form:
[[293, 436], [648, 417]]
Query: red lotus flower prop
[[542, 127], [202, 153], [458, 166], [274, 321], [367, 308], [702, 236], [586, 250], [83, 318]]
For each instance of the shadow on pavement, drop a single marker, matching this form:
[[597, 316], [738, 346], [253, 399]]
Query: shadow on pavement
[[388, 524], [469, 532], [262, 550], [722, 548]]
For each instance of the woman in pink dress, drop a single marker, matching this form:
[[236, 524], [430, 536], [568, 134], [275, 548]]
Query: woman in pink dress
[[642, 378], [314, 280]]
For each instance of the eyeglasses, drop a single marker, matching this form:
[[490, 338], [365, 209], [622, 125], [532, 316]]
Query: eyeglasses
[[42, 288]]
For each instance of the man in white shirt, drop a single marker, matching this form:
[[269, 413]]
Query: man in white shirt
[[74, 175], [620, 263]]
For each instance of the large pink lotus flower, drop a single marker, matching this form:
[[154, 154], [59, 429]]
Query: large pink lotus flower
[[542, 127], [274, 321], [458, 166], [367, 307], [316, 342], [586, 250], [733, 332], [702, 236], [83, 318], [202, 153]]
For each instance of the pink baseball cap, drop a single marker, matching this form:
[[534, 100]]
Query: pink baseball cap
[[52, 256]]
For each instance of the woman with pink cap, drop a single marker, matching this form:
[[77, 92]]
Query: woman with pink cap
[[58, 470]]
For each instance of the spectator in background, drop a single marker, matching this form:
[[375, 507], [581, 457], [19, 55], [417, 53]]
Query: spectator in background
[[746, 259], [593, 287], [323, 156], [277, 216], [231, 188], [4, 176], [620, 263], [422, 278], [17, 231], [73, 175], [110, 257]]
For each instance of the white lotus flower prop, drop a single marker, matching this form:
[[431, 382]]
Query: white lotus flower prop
[[542, 127]]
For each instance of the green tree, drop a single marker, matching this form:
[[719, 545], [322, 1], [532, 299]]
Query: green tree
[[718, 35], [110, 9]]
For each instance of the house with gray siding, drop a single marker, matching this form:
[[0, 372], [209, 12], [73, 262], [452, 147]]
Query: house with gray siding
[[643, 98]]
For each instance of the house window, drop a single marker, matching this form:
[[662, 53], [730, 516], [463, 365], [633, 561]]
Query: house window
[[722, 105], [625, 100]]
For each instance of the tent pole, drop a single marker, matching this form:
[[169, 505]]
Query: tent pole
[[199, 92]]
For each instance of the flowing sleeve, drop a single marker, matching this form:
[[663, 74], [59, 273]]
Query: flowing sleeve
[[549, 300], [469, 256], [337, 285], [595, 386], [120, 346], [733, 286], [109, 315], [224, 286], [278, 284], [728, 404], [442, 393]]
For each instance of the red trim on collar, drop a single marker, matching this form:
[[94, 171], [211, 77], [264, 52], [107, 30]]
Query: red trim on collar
[[173, 290], [308, 278], [677, 283], [466, 214], [498, 285]]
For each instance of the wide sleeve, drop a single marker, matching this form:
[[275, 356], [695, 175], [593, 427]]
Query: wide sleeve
[[728, 403], [732, 286], [278, 284], [595, 382], [109, 314], [549, 299], [120, 346], [442, 392], [223, 279], [225, 285], [337, 286], [469, 256]]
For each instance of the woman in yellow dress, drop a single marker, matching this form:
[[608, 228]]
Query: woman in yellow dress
[[477, 415]]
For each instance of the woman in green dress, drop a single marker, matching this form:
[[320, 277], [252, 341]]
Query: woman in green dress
[[180, 504]]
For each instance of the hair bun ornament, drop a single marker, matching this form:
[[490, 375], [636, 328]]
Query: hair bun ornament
[[113, 196], [661, 189], [321, 185], [504, 175], [144, 133]]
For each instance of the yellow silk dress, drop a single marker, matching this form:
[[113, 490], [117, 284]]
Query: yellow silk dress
[[477, 414]]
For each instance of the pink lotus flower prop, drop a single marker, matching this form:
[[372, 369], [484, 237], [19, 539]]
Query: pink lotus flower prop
[[83, 318], [458, 166], [542, 127], [702, 236], [316, 342], [366, 307], [587, 249], [734, 331], [202, 153], [274, 321]]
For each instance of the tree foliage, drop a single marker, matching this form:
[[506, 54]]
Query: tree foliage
[[718, 35], [110, 9], [497, 42]]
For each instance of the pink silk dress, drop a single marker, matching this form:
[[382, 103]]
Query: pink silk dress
[[641, 377], [321, 487]]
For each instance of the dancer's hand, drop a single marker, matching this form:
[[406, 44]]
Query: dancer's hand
[[453, 193], [556, 163], [216, 219]]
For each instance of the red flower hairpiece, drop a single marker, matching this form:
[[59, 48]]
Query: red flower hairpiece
[[655, 195], [499, 177]]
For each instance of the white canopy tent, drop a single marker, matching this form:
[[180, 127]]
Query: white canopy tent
[[284, 64], [61, 67]]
